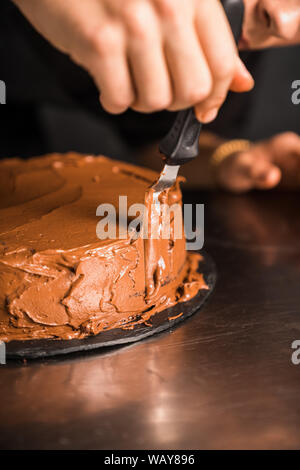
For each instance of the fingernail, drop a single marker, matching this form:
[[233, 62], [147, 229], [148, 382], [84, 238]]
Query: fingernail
[[208, 116]]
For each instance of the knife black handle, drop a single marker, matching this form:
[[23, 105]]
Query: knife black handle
[[181, 144]]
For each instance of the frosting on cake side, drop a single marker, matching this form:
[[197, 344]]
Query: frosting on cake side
[[57, 279]]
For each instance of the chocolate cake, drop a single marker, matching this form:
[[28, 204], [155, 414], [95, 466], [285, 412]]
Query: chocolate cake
[[57, 278]]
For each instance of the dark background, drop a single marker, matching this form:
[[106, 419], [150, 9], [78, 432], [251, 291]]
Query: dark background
[[52, 104]]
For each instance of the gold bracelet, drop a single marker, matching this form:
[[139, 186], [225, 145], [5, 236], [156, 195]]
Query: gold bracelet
[[229, 148]]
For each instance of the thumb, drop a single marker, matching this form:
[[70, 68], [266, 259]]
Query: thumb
[[243, 80]]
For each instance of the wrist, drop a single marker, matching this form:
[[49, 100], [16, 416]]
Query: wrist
[[229, 148]]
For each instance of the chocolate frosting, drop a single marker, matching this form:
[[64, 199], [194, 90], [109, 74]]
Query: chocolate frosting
[[57, 279]]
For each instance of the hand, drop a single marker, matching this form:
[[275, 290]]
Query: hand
[[266, 165], [147, 54]]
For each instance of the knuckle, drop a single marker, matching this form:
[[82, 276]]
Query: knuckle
[[196, 94], [155, 103], [105, 40], [289, 135], [288, 138], [216, 101], [224, 71], [166, 8], [115, 106], [136, 17], [122, 103]]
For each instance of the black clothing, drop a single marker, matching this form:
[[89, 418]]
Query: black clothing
[[52, 104]]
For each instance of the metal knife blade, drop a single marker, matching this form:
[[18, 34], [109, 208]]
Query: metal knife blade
[[166, 180]]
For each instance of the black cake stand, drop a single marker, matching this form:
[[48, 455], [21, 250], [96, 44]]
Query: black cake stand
[[43, 348]]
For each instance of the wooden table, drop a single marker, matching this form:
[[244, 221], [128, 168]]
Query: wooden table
[[223, 379]]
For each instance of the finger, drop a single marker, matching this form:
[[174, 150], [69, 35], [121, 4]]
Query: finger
[[189, 70], [234, 173], [147, 61], [222, 57], [284, 146], [264, 174], [269, 179], [206, 112], [109, 67], [242, 80]]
